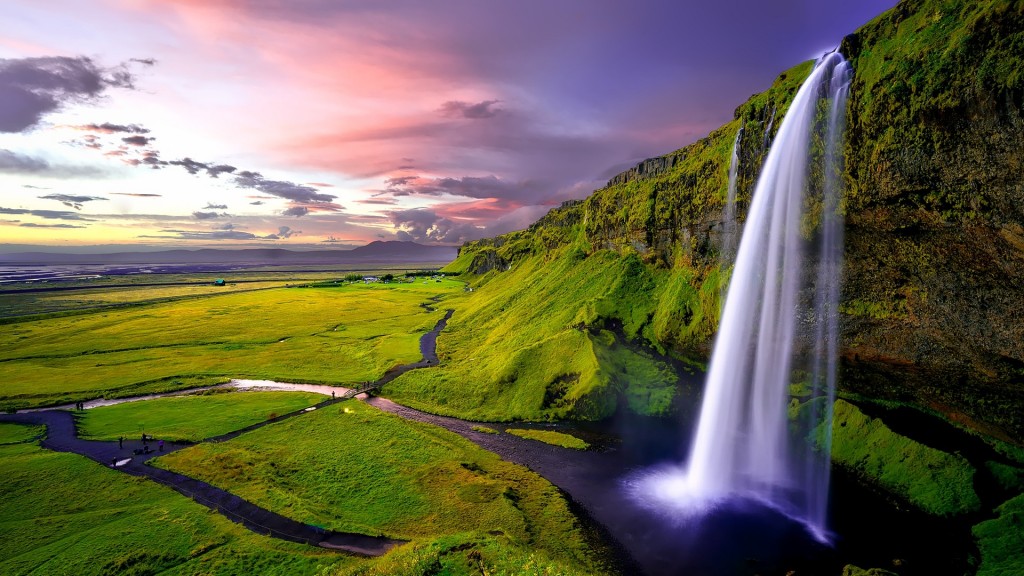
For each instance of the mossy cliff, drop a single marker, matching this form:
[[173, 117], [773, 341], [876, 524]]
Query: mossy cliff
[[933, 297]]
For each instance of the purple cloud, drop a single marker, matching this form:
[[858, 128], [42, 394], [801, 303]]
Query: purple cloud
[[15, 163], [204, 235], [478, 111], [31, 225], [108, 128], [71, 200], [31, 88], [47, 214], [137, 140], [297, 211]]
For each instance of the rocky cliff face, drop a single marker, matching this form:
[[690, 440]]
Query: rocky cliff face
[[933, 297], [934, 289]]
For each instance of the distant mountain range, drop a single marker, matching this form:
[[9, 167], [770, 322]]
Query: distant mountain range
[[374, 252]]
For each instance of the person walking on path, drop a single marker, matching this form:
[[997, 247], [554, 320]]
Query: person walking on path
[[120, 441], [161, 445], [332, 394]]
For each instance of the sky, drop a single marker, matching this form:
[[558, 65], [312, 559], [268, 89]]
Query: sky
[[307, 124]]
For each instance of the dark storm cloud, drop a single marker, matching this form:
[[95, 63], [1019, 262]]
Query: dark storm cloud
[[136, 194], [137, 140], [256, 203], [31, 225], [144, 61], [47, 214], [478, 111], [209, 215], [210, 206], [425, 225], [31, 88], [15, 163], [71, 200], [108, 128]]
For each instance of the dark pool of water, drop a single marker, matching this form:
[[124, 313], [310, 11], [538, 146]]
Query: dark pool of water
[[870, 529]]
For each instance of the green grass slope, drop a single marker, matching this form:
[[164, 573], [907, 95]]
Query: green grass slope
[[934, 481], [351, 467], [63, 514], [535, 342]]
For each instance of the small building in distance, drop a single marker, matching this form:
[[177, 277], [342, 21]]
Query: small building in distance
[[218, 282], [370, 279]]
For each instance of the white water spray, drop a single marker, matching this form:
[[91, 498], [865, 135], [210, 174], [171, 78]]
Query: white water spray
[[744, 446]]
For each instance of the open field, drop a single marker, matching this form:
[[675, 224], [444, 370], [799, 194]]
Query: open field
[[340, 334], [353, 468], [192, 418], [17, 433], [32, 299], [64, 514]]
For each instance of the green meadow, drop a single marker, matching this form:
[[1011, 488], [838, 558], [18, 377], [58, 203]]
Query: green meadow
[[550, 437], [336, 333], [353, 468], [193, 417], [64, 514]]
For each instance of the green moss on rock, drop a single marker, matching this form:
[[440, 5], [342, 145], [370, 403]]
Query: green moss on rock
[[1001, 540], [932, 480]]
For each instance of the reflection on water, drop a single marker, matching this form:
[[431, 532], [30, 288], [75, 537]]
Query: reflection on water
[[252, 385]]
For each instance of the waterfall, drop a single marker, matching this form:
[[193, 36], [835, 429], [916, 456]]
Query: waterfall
[[729, 226], [781, 307]]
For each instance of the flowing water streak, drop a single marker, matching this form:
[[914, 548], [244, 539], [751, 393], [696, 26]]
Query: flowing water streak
[[824, 362], [729, 226], [743, 446]]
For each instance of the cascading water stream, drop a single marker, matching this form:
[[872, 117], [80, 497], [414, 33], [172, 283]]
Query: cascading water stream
[[730, 232], [781, 305]]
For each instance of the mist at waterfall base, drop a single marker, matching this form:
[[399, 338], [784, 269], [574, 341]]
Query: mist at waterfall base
[[778, 328]]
